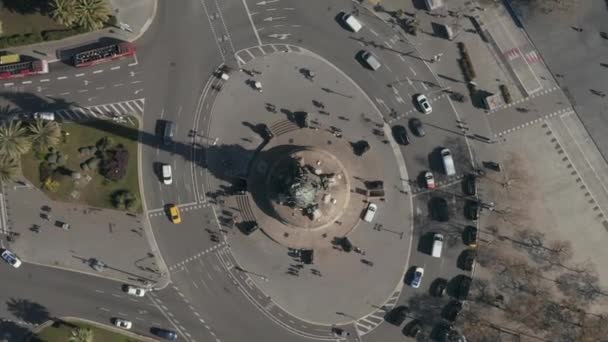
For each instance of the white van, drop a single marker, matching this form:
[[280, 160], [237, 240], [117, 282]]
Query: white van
[[47, 116], [370, 212], [167, 174], [437, 245], [352, 22], [448, 162]]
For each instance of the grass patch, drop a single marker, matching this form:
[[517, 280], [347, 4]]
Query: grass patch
[[61, 332], [98, 191], [14, 22]]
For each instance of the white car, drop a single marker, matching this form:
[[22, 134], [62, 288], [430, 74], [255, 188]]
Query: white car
[[11, 258], [370, 212], [417, 278], [351, 22], [167, 174], [423, 104], [430, 180], [123, 323], [135, 291], [47, 116]]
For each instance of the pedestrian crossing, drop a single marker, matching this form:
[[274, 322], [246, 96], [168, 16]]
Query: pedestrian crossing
[[368, 323], [103, 111]]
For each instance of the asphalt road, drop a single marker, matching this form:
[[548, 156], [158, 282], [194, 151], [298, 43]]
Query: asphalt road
[[34, 294], [176, 58]]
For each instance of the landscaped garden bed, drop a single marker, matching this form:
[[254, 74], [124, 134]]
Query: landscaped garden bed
[[94, 164]]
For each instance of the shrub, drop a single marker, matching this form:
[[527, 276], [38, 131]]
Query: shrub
[[51, 158], [60, 34], [115, 167], [104, 143], [84, 166], [50, 184], [93, 162], [84, 151], [45, 170], [112, 21], [20, 39], [123, 199]]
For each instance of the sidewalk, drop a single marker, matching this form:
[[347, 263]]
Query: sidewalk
[[134, 18]]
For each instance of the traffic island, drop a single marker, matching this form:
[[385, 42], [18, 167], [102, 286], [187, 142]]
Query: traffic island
[[95, 164], [61, 330], [290, 160]]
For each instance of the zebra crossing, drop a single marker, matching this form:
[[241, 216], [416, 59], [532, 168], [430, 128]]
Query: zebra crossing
[[103, 111], [368, 323]]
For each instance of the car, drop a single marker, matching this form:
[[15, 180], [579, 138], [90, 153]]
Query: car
[[397, 315], [400, 134], [360, 147], [464, 285], [370, 60], [413, 328], [439, 209], [471, 210], [423, 104], [430, 180], [469, 236], [438, 287], [417, 277], [122, 323], [164, 333], [135, 291], [417, 127], [174, 213], [265, 132], [11, 258], [469, 185], [467, 259], [249, 227], [452, 310], [167, 174], [350, 21], [339, 332], [346, 245], [372, 208]]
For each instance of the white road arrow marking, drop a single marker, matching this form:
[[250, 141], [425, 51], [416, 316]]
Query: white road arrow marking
[[275, 18], [266, 2], [397, 95], [280, 36], [138, 91]]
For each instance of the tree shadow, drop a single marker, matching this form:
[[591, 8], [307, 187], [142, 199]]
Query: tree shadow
[[27, 6], [11, 331], [28, 311]]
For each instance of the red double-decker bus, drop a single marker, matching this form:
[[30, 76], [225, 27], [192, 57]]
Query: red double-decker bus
[[25, 68], [103, 54]]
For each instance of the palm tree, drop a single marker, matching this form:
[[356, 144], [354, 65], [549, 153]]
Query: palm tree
[[9, 169], [45, 134], [63, 12], [92, 14], [14, 140], [81, 334]]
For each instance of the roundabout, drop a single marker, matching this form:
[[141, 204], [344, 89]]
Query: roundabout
[[305, 185]]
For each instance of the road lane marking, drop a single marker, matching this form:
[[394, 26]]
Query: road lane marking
[[97, 71], [26, 82], [255, 30], [45, 80], [79, 75], [8, 84], [115, 68], [412, 70], [134, 63], [374, 32], [62, 77]]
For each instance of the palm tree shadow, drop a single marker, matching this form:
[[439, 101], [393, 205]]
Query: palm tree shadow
[[28, 311]]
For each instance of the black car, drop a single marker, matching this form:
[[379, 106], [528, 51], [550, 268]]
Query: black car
[[400, 134], [469, 184], [464, 285], [467, 259], [469, 236], [164, 333], [346, 245], [417, 127], [265, 132], [397, 315], [439, 209], [438, 287], [471, 210], [451, 311], [413, 328], [307, 256], [360, 147]]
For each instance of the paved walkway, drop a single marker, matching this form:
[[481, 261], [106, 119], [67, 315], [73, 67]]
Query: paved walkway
[[134, 18]]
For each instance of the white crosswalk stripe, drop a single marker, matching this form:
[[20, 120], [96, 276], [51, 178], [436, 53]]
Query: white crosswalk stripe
[[103, 111]]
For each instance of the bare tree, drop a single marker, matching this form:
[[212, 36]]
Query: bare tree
[[580, 286], [593, 329]]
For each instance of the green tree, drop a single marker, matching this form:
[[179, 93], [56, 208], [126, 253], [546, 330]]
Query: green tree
[[81, 334], [14, 140], [63, 12], [92, 14], [44, 134], [9, 169]]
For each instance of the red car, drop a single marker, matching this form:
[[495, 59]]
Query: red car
[[430, 180]]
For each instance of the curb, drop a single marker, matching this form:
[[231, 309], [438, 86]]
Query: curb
[[147, 24], [93, 323]]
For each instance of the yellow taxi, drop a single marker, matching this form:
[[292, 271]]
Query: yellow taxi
[[174, 213]]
